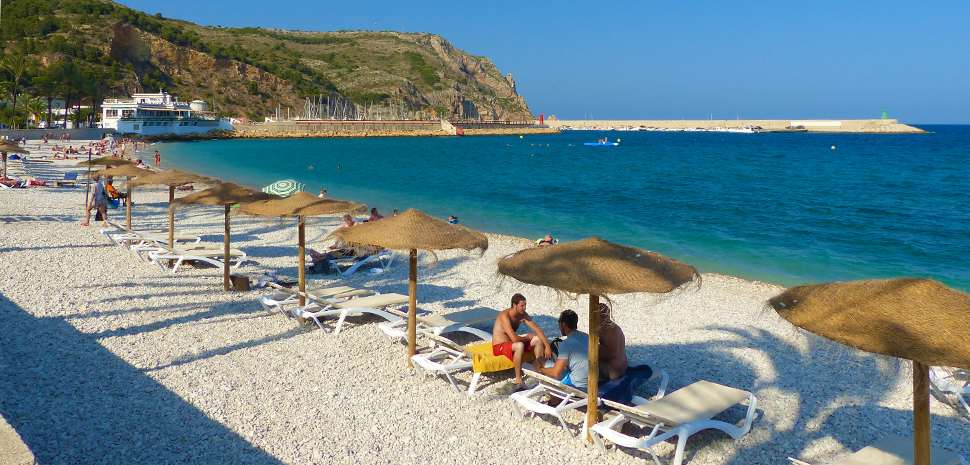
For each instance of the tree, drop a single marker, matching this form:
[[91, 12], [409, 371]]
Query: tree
[[48, 87], [15, 65], [253, 88], [73, 81], [35, 107]]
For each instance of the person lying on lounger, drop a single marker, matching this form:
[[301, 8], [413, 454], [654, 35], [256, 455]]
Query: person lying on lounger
[[573, 357], [321, 261], [506, 342]]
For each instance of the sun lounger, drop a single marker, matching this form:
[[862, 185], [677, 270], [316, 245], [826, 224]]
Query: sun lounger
[[292, 297], [440, 324], [383, 259], [70, 179], [953, 381], [446, 357], [681, 413], [374, 305], [894, 450], [211, 256], [569, 397]]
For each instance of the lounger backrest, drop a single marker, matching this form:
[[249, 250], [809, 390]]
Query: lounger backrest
[[553, 382], [374, 301], [464, 317], [897, 450], [699, 401]]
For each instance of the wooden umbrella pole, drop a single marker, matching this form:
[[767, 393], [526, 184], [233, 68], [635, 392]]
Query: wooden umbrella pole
[[592, 391], [87, 189], [225, 266], [413, 306], [921, 413], [128, 209], [302, 260], [171, 217]]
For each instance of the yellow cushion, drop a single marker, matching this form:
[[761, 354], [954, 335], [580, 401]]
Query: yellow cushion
[[484, 362]]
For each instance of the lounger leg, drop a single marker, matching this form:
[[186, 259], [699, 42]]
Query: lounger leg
[[474, 384], [682, 435], [340, 322]]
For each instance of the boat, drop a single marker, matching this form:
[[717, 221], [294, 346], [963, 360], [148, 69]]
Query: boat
[[602, 144], [159, 113]]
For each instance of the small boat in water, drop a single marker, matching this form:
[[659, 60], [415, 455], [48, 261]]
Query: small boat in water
[[602, 144]]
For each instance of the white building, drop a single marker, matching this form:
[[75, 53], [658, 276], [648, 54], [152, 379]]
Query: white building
[[161, 113]]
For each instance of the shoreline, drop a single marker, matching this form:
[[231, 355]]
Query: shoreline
[[133, 353]]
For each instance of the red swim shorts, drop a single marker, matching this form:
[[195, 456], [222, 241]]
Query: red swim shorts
[[505, 349]]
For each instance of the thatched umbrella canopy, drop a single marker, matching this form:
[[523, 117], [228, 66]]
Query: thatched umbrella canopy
[[172, 179], [917, 319], [596, 267], [130, 171], [226, 194], [301, 205], [9, 146], [413, 230]]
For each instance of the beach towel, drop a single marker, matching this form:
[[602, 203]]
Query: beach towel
[[621, 389]]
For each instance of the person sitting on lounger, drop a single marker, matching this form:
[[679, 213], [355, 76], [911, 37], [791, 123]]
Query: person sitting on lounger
[[113, 193], [573, 357], [613, 362], [506, 342]]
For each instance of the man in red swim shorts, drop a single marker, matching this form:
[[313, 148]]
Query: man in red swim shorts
[[506, 342]]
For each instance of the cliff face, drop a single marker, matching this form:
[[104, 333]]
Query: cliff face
[[191, 74]]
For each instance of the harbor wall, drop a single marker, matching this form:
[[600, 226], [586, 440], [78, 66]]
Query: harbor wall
[[76, 134], [834, 125]]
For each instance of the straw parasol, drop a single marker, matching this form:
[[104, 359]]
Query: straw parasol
[[301, 205], [413, 230], [911, 318], [226, 194], [130, 171], [9, 146], [596, 267], [172, 179]]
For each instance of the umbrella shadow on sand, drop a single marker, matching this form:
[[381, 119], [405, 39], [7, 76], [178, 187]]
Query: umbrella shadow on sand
[[805, 395], [71, 399]]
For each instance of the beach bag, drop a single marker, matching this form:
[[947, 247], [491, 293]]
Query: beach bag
[[321, 267], [98, 216]]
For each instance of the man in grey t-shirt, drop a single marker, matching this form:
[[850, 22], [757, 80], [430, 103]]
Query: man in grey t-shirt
[[573, 355]]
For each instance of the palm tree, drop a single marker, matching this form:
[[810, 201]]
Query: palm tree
[[35, 106], [72, 80], [15, 65], [48, 87], [93, 90]]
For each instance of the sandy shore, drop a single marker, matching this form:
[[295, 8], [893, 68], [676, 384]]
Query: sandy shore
[[105, 358]]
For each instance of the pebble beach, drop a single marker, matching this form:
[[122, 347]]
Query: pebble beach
[[108, 359]]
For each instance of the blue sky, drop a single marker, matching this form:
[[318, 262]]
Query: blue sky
[[673, 60]]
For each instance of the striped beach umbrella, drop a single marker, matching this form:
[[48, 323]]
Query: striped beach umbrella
[[285, 187]]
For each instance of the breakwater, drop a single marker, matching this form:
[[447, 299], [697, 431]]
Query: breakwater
[[859, 126]]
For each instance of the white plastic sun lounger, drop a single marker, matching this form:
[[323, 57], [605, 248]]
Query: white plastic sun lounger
[[894, 450], [287, 297], [440, 324], [373, 305], [681, 413], [530, 401], [951, 380], [383, 259], [203, 254], [447, 357]]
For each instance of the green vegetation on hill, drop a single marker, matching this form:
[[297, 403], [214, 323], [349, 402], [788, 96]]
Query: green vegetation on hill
[[120, 51]]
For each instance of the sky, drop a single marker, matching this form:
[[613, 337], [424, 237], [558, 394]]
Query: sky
[[674, 60]]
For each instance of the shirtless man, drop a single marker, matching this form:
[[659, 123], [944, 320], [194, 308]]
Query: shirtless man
[[612, 346], [506, 342]]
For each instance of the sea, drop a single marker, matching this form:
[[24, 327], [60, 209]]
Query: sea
[[781, 208]]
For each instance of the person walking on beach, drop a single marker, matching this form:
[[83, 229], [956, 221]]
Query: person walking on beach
[[506, 342], [99, 202], [158, 158]]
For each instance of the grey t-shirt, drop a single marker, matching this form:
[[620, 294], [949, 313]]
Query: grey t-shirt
[[575, 349]]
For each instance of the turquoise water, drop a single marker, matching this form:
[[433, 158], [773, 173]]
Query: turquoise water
[[780, 208]]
